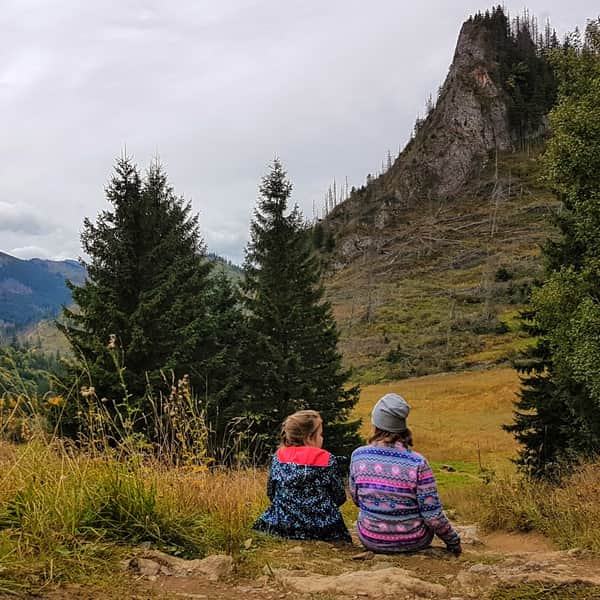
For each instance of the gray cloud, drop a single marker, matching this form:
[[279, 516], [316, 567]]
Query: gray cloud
[[21, 219], [217, 90]]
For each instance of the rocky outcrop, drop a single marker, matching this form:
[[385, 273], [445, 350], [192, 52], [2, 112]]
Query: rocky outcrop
[[469, 124], [153, 563], [469, 120]]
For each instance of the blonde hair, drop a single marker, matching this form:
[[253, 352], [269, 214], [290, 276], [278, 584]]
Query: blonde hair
[[299, 427]]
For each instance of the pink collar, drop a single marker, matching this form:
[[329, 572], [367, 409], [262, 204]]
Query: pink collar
[[304, 455]]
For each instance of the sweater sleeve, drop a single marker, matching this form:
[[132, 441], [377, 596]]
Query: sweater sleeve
[[336, 482], [431, 509]]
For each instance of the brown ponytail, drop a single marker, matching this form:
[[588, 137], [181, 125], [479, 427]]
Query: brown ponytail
[[388, 438]]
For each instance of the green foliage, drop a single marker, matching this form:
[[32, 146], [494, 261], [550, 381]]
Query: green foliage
[[524, 71], [294, 362], [27, 370], [149, 311], [558, 417]]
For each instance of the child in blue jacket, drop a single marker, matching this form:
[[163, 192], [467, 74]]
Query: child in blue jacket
[[304, 486]]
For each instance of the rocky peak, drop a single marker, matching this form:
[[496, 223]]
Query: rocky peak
[[470, 121]]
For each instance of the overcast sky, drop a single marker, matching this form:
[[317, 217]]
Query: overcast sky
[[216, 89]]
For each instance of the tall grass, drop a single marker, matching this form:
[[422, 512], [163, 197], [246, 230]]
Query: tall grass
[[70, 511], [567, 513], [65, 513]]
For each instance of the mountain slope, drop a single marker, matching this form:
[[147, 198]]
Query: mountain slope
[[32, 290], [431, 261], [42, 332]]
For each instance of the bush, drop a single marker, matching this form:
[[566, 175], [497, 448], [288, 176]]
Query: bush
[[502, 274]]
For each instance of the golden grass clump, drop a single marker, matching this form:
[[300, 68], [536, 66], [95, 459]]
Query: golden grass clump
[[565, 513]]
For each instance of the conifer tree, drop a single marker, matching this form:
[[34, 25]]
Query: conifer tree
[[558, 414], [143, 314], [294, 362]]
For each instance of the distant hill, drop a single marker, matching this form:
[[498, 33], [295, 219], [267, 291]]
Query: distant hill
[[233, 271], [33, 290], [32, 293]]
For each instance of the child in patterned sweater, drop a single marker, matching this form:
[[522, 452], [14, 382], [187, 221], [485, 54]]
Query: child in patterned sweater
[[394, 488], [304, 486]]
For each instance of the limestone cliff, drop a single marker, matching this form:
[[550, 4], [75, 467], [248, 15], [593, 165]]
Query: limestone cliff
[[470, 122]]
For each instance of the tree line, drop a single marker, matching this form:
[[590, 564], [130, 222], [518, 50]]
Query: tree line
[[558, 414], [153, 314]]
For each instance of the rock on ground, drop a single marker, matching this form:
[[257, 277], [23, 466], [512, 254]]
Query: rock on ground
[[391, 581], [152, 563]]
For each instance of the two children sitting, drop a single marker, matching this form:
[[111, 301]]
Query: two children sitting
[[393, 486]]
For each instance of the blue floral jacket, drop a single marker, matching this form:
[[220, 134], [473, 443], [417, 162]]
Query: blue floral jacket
[[306, 491]]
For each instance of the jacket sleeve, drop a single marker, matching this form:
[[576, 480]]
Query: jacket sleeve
[[336, 483], [431, 509], [352, 485], [272, 482]]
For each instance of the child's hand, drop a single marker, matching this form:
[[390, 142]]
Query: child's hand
[[456, 550]]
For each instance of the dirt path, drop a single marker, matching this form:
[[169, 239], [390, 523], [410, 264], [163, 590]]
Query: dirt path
[[498, 566]]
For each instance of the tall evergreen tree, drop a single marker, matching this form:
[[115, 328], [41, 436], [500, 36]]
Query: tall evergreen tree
[[144, 311], [294, 363], [558, 415]]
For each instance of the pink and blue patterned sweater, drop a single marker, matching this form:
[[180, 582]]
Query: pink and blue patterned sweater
[[400, 510]]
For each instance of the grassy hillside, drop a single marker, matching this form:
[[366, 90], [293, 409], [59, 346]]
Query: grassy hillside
[[455, 417], [441, 286]]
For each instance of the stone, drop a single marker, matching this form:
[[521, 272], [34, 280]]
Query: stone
[[391, 581], [368, 555], [155, 562], [215, 567], [145, 566], [248, 543], [468, 534], [448, 468], [481, 569], [465, 579]]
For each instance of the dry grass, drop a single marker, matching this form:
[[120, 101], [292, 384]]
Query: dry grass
[[568, 514], [68, 515], [455, 416]]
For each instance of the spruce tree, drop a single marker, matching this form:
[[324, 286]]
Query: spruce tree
[[294, 362], [558, 414], [143, 314]]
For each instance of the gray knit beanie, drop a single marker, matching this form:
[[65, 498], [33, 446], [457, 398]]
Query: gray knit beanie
[[390, 412]]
